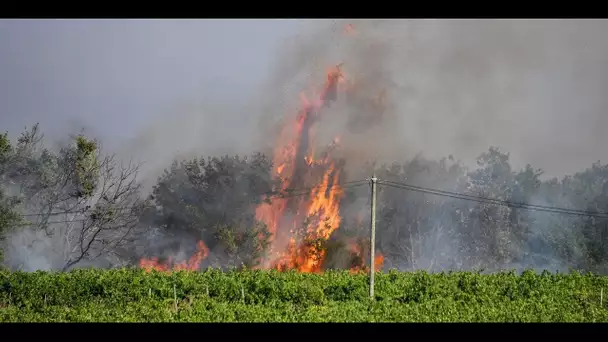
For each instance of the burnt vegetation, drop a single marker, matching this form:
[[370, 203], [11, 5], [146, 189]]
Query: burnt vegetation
[[77, 206]]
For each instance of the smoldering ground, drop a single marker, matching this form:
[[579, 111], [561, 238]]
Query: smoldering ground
[[452, 87]]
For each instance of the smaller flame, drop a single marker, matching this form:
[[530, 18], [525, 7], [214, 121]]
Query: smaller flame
[[280, 168], [310, 158], [192, 264], [379, 261], [356, 249]]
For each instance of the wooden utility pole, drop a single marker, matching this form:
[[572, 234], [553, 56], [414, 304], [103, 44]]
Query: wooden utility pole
[[372, 250]]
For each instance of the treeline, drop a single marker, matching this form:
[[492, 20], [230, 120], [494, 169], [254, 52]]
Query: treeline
[[424, 231], [80, 206]]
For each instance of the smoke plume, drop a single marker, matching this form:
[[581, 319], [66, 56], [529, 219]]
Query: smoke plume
[[416, 88]]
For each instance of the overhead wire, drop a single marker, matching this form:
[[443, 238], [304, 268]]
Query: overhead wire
[[285, 193], [295, 192], [487, 200]]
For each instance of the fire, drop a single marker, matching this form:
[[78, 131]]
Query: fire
[[303, 258], [280, 168], [298, 166], [325, 203], [379, 261], [330, 91], [356, 250], [192, 264]]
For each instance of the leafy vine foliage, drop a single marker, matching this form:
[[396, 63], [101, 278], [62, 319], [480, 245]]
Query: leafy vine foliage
[[133, 295]]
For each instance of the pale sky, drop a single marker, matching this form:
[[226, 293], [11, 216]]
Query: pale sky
[[535, 88], [114, 75]]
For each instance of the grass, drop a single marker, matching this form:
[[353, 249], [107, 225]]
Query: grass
[[132, 295]]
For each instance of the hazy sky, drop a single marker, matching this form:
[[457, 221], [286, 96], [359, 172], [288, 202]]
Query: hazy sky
[[100, 72], [535, 88]]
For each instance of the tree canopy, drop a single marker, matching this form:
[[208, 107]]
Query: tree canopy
[[79, 205]]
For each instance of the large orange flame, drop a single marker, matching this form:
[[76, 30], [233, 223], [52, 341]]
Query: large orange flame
[[297, 167], [322, 204]]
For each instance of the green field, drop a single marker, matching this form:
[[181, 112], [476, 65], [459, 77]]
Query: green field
[[131, 295]]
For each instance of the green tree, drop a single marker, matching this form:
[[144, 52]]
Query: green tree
[[9, 216], [214, 200], [86, 203]]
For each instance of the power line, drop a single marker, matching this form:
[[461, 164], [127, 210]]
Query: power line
[[296, 192], [286, 193], [498, 202], [293, 192], [518, 205]]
